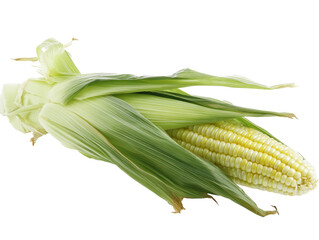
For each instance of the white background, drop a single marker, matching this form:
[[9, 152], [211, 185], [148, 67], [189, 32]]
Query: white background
[[50, 192]]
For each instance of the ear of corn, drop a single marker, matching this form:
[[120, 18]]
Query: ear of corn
[[121, 119], [248, 156]]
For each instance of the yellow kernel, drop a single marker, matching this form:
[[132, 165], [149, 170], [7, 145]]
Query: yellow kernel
[[248, 166], [232, 148], [203, 142], [278, 176], [259, 168], [285, 169], [270, 181], [295, 165], [291, 172], [235, 151], [205, 153], [280, 167], [227, 161], [269, 171], [254, 168], [209, 143], [203, 130], [286, 159], [264, 171], [260, 179], [249, 177], [198, 140], [249, 154], [221, 147], [238, 162], [294, 184], [280, 186], [226, 148], [273, 173], [257, 147], [255, 179], [297, 175], [179, 133], [222, 159], [253, 156], [243, 164], [263, 159], [304, 172], [232, 162], [270, 161], [240, 152], [195, 128], [258, 157], [277, 163], [243, 176], [189, 136], [248, 143], [283, 178], [289, 181], [218, 133], [191, 148]]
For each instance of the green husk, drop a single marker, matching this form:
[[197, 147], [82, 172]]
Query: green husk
[[140, 149]]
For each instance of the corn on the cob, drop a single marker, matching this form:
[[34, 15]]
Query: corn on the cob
[[122, 119], [248, 156]]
